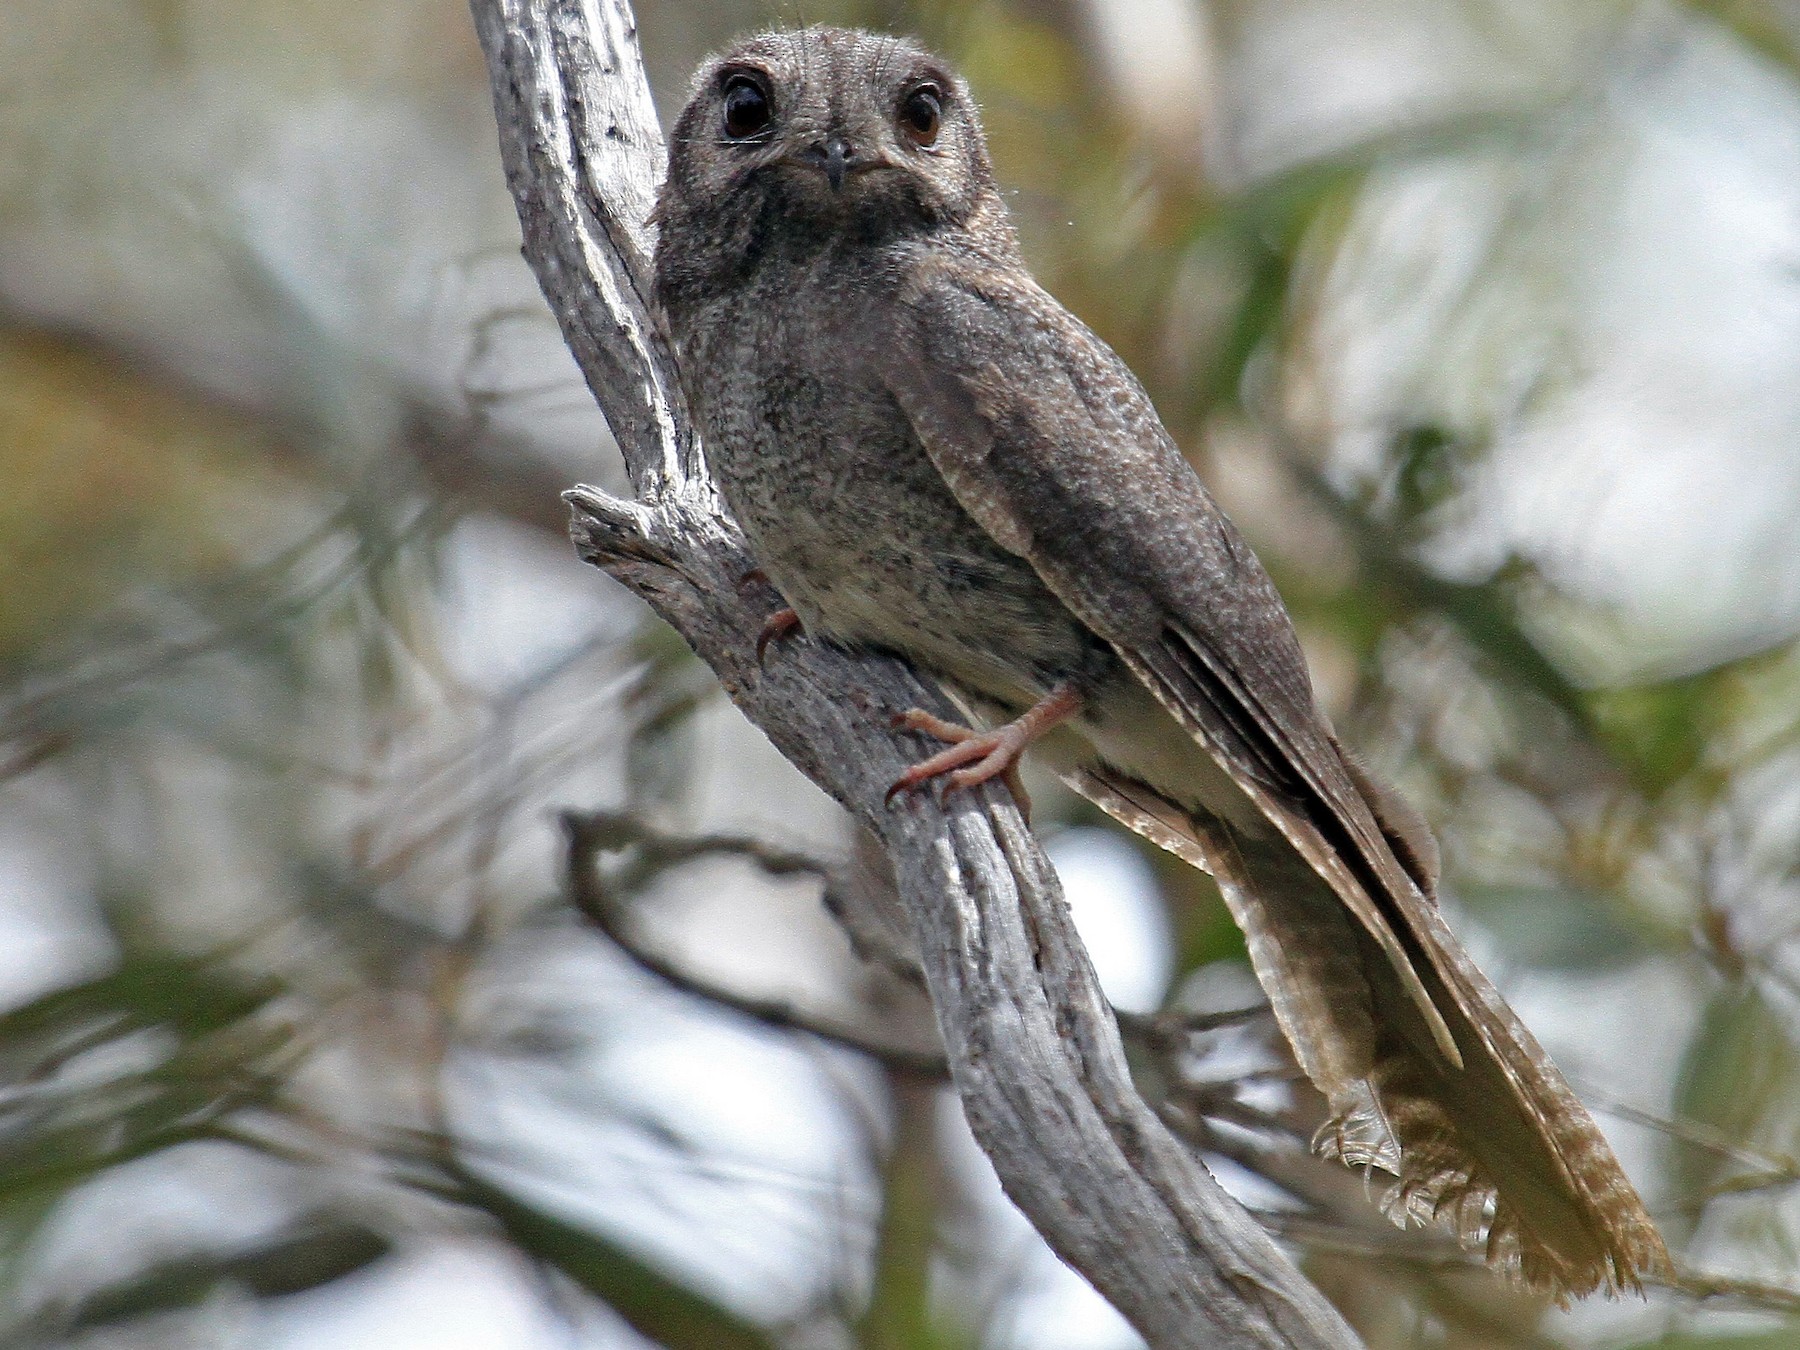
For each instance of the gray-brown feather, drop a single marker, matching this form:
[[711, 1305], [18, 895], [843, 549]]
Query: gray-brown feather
[[929, 454]]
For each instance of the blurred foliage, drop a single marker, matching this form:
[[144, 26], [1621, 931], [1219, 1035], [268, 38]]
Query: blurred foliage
[[292, 678], [88, 447]]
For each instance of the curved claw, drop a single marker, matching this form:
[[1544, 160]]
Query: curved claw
[[778, 625]]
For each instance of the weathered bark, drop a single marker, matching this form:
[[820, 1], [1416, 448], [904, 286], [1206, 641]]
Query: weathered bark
[[1033, 1047]]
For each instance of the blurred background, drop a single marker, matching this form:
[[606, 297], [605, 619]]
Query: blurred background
[[1482, 318]]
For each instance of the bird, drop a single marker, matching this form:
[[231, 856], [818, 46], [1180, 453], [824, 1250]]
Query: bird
[[928, 455]]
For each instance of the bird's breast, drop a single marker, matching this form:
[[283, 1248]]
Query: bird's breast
[[851, 521]]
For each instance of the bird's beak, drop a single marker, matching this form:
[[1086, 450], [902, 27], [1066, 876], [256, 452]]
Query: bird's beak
[[835, 156]]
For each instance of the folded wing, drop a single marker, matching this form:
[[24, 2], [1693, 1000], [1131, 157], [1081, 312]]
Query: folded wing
[[1048, 441]]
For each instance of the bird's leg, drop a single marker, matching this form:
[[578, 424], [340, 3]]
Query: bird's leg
[[779, 624], [976, 756]]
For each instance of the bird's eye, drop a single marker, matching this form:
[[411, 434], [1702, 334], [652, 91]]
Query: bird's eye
[[920, 114], [747, 107]]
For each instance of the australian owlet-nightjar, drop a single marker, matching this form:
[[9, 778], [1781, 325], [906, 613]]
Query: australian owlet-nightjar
[[929, 455]]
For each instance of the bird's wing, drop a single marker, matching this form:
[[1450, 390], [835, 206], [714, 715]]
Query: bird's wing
[[1052, 446], [1050, 443]]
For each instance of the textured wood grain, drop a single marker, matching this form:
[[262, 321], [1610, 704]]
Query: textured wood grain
[[1033, 1047]]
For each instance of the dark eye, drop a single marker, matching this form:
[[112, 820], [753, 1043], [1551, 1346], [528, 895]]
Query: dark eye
[[747, 109], [920, 114]]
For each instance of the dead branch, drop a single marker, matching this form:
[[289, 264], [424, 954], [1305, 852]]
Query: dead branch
[[590, 835]]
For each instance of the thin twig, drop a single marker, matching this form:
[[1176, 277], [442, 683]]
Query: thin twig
[[591, 835]]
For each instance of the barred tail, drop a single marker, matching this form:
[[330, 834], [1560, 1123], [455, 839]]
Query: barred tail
[[1499, 1152]]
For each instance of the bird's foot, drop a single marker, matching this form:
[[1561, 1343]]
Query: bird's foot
[[778, 625], [973, 757]]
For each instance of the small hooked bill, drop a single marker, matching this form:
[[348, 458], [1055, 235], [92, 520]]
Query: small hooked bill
[[835, 156]]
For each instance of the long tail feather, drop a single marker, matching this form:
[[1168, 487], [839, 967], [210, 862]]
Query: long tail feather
[[1499, 1152]]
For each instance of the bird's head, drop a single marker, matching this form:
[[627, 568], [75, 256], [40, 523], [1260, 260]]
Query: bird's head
[[804, 136]]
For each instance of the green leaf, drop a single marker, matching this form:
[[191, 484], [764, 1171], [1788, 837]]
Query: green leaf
[[1428, 472], [312, 1256], [1740, 1065], [192, 995], [1763, 27], [1675, 730], [1765, 1340], [655, 1305], [1477, 610], [1660, 731], [1557, 927]]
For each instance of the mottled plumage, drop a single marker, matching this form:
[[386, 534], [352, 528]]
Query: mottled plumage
[[930, 455]]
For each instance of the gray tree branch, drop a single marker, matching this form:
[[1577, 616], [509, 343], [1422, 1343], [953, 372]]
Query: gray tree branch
[[591, 834], [1032, 1045]]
